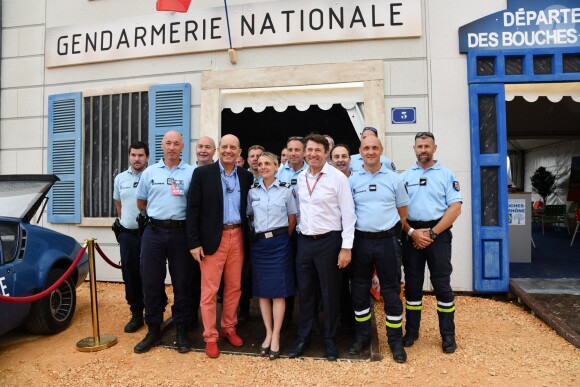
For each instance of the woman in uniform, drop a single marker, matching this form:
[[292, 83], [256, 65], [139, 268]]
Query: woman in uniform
[[272, 209]]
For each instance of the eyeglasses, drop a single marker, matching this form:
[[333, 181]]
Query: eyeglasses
[[295, 138], [374, 130], [424, 134]]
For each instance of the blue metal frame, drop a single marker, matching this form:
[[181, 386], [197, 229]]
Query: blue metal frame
[[491, 244]]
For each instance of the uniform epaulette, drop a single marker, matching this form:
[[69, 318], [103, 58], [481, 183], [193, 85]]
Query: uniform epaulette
[[284, 184], [255, 185]]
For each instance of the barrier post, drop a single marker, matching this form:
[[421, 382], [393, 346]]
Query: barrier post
[[98, 341]]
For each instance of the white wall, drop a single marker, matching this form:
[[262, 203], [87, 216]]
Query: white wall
[[427, 73]]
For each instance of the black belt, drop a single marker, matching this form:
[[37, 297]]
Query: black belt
[[169, 223], [132, 231], [376, 235], [423, 224], [319, 236], [271, 233]]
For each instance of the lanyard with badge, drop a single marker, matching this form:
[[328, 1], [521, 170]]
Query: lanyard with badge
[[177, 186], [225, 180], [310, 191]]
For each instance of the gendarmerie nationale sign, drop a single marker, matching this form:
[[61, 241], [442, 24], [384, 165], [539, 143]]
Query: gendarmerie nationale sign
[[525, 24], [251, 25]]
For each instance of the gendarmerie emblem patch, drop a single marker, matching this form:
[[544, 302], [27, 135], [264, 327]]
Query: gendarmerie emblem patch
[[456, 186]]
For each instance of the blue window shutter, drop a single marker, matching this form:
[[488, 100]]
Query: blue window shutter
[[64, 157], [169, 109]]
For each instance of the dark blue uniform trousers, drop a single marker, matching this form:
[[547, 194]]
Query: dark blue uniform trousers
[[158, 247], [438, 258], [130, 249], [316, 260], [385, 255]]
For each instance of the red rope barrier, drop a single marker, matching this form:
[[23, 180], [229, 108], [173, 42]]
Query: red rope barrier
[[102, 254], [46, 292]]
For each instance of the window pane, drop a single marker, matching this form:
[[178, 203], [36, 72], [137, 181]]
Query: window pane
[[487, 124], [571, 63], [112, 123], [485, 66], [542, 64], [514, 65], [489, 197]]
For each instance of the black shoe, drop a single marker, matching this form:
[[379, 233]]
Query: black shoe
[[274, 355], [152, 338], [183, 343], [330, 349], [358, 345], [298, 348], [135, 323], [243, 315], [409, 339], [449, 345], [399, 354]]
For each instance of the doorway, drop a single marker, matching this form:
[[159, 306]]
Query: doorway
[[543, 130], [271, 128]]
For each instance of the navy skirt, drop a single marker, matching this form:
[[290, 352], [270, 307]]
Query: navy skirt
[[272, 271]]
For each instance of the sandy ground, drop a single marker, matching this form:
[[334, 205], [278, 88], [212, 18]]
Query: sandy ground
[[499, 343]]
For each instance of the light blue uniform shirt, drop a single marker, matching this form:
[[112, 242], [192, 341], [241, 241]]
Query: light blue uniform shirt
[[271, 207], [431, 191], [231, 183], [124, 192], [357, 162], [377, 198], [165, 190], [288, 175]]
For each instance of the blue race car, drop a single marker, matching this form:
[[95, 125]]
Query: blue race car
[[32, 258]]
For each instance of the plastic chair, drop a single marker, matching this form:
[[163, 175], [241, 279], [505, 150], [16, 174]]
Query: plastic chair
[[577, 225], [555, 214]]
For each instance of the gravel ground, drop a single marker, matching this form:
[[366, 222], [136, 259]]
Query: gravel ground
[[499, 343]]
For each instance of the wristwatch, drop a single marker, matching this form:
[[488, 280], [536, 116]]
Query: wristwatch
[[432, 234]]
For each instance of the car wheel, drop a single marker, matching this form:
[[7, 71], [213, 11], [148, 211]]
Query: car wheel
[[53, 313]]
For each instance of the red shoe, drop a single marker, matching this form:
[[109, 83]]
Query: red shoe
[[232, 337], [212, 350]]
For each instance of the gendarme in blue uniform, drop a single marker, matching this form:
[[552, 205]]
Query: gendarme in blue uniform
[[357, 162], [271, 253], [129, 240], [165, 190], [431, 191], [124, 192], [377, 198]]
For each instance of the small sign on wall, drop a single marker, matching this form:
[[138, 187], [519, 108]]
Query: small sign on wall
[[404, 115], [517, 212]]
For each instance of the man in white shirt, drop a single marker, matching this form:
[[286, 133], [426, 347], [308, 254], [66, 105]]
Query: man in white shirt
[[326, 230]]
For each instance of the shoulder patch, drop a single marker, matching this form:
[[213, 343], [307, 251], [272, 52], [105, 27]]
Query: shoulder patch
[[456, 185], [393, 166]]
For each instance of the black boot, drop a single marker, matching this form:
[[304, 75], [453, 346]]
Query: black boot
[[135, 323], [152, 338], [399, 354], [412, 324], [183, 343]]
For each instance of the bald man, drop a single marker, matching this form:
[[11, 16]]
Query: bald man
[[217, 238], [162, 198], [204, 151]]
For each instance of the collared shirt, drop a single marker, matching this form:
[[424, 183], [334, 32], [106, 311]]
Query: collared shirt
[[124, 192], [357, 162], [271, 207], [431, 191], [165, 190], [329, 208], [288, 175], [376, 199], [232, 195]]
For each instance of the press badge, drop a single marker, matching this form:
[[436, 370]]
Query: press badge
[[177, 187], [372, 187]]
